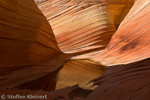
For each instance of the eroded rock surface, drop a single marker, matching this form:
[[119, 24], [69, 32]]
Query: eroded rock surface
[[131, 41], [28, 47], [124, 82], [79, 72], [31, 58], [81, 25]]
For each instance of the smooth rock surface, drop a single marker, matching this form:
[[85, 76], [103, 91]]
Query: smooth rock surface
[[81, 25], [131, 42], [28, 48]]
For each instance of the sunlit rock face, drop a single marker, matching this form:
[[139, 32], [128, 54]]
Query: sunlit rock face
[[81, 25], [28, 49], [83, 28], [131, 41], [130, 46], [79, 72]]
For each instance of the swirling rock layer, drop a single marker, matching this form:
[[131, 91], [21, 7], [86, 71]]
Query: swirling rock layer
[[31, 58], [131, 42], [81, 25], [28, 47]]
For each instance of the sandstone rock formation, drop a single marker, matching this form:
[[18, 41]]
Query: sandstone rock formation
[[81, 25], [131, 42], [30, 57], [124, 82], [128, 81], [28, 47], [84, 26], [31, 61], [79, 72]]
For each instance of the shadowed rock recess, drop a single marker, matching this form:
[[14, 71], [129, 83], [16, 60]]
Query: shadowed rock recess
[[75, 49]]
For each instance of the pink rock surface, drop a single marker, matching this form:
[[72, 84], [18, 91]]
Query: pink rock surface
[[81, 25], [131, 42]]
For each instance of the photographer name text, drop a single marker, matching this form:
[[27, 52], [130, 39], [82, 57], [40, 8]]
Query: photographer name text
[[21, 97]]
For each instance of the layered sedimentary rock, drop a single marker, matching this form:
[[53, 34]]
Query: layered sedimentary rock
[[128, 81], [31, 59], [124, 82], [129, 44], [81, 25], [131, 41], [28, 49]]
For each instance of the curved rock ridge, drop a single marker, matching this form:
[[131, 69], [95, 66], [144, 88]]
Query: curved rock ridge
[[28, 47], [81, 25], [30, 56], [131, 42]]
